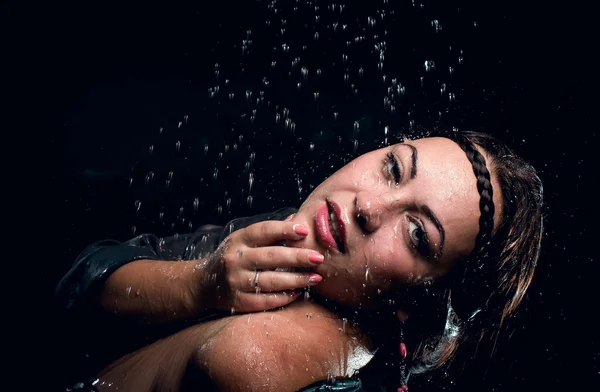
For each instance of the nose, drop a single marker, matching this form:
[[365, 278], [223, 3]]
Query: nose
[[374, 208], [369, 211]]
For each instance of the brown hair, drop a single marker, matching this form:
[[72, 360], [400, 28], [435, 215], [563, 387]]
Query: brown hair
[[481, 292]]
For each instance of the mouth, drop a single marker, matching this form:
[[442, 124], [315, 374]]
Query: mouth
[[331, 231]]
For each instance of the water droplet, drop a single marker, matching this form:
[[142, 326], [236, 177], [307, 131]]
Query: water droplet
[[304, 71], [150, 149], [316, 96], [205, 149], [451, 70], [133, 230], [177, 145], [361, 71], [219, 210], [215, 173], [319, 71], [316, 35], [130, 181], [160, 130], [429, 65], [355, 146], [311, 147], [196, 204], [250, 182], [249, 200], [356, 126]]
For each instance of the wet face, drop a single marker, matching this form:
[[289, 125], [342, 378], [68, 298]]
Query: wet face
[[397, 216]]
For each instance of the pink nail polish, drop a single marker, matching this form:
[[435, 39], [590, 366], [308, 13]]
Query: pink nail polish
[[300, 229], [316, 258], [314, 278]]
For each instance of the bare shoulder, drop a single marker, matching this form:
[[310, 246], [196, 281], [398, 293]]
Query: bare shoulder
[[281, 351]]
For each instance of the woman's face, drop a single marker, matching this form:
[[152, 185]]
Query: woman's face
[[396, 216]]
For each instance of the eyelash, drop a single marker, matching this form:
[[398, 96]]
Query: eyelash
[[423, 247], [395, 171]]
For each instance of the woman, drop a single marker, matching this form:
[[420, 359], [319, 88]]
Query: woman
[[409, 250]]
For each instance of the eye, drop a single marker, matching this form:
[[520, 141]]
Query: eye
[[418, 237], [392, 168]]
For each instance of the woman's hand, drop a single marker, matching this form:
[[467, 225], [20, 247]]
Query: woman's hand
[[250, 270]]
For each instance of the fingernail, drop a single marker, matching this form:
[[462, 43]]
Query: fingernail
[[316, 258], [300, 229], [314, 278]]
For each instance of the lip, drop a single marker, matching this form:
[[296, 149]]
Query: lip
[[337, 212], [324, 235]]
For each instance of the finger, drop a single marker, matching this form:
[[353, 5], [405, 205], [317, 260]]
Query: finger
[[271, 257], [274, 281], [272, 232], [290, 217], [257, 302]]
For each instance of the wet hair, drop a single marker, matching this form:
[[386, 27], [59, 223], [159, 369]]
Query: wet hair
[[480, 293]]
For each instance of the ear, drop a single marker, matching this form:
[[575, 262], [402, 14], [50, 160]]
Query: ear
[[402, 315]]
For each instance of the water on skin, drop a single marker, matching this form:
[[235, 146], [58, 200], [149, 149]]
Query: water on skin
[[252, 97]]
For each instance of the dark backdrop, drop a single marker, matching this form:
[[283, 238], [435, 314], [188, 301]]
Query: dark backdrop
[[146, 108]]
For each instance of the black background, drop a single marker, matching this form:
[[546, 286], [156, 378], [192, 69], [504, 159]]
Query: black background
[[101, 79]]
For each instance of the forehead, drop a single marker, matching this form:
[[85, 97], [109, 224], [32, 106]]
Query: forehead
[[445, 182]]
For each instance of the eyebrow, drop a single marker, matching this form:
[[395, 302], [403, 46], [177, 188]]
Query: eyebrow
[[439, 226], [414, 158], [426, 210]]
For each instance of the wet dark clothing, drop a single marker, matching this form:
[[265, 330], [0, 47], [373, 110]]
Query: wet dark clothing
[[95, 264]]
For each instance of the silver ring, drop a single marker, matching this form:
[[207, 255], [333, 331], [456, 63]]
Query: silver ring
[[256, 279]]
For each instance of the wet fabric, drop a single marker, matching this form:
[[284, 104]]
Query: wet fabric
[[100, 259]]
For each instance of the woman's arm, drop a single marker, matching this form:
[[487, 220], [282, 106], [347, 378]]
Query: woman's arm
[[119, 278], [282, 351], [155, 281]]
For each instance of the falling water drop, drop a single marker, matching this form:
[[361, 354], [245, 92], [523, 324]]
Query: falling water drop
[[249, 200], [250, 182], [215, 173], [177, 145], [138, 205], [205, 149], [304, 71], [150, 149], [196, 204]]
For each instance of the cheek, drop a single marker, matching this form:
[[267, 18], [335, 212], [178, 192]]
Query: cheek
[[387, 262]]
